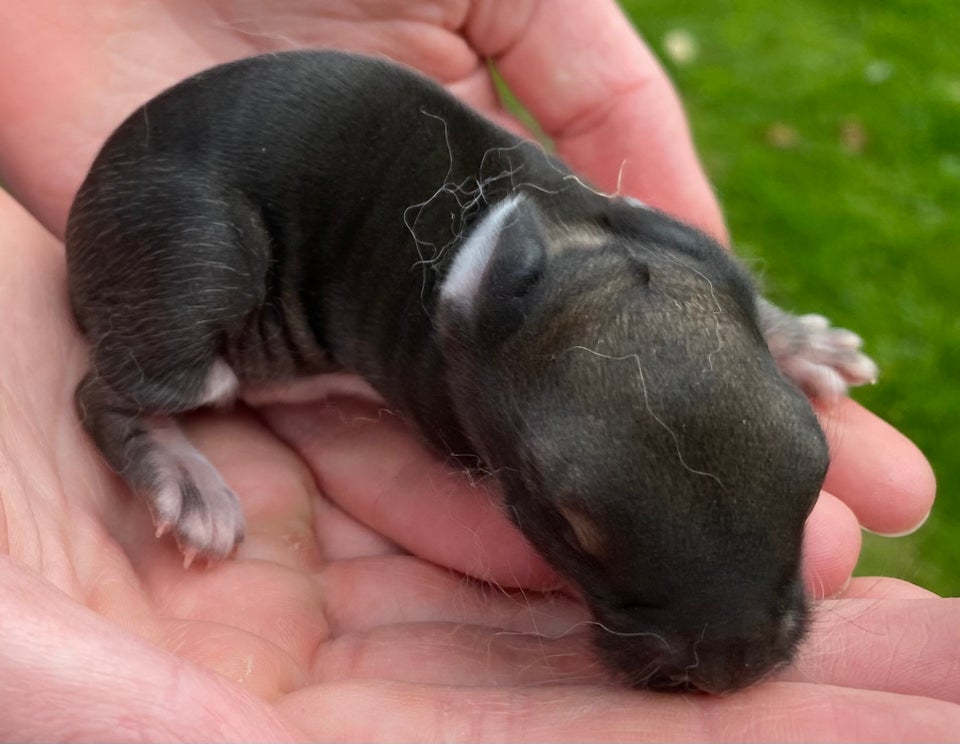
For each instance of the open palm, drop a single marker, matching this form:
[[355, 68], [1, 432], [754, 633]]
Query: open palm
[[379, 592]]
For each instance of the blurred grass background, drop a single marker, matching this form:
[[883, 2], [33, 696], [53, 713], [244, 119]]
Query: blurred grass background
[[831, 132]]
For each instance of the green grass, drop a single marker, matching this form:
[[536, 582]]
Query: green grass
[[831, 132]]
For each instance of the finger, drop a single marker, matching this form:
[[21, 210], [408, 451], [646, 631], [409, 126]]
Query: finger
[[121, 56], [369, 462], [878, 472], [363, 594], [831, 546], [884, 587], [66, 673], [459, 655], [771, 712], [908, 646], [600, 94], [48, 140]]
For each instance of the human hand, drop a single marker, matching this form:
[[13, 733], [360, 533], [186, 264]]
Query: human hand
[[346, 613], [123, 59]]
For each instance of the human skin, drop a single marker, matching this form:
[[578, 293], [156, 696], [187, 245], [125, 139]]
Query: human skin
[[346, 612]]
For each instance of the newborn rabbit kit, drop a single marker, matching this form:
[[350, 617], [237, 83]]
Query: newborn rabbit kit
[[292, 214]]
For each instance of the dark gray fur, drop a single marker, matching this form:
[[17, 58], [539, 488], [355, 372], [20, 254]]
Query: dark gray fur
[[284, 214]]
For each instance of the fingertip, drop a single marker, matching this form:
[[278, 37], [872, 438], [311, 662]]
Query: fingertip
[[880, 474], [884, 587], [831, 547]]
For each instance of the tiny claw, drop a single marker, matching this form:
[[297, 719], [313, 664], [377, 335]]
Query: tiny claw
[[163, 528], [188, 557]]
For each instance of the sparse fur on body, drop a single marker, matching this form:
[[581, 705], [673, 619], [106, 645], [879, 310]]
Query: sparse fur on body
[[291, 214]]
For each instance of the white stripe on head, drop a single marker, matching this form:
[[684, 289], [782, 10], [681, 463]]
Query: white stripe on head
[[221, 386], [635, 203], [462, 282]]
